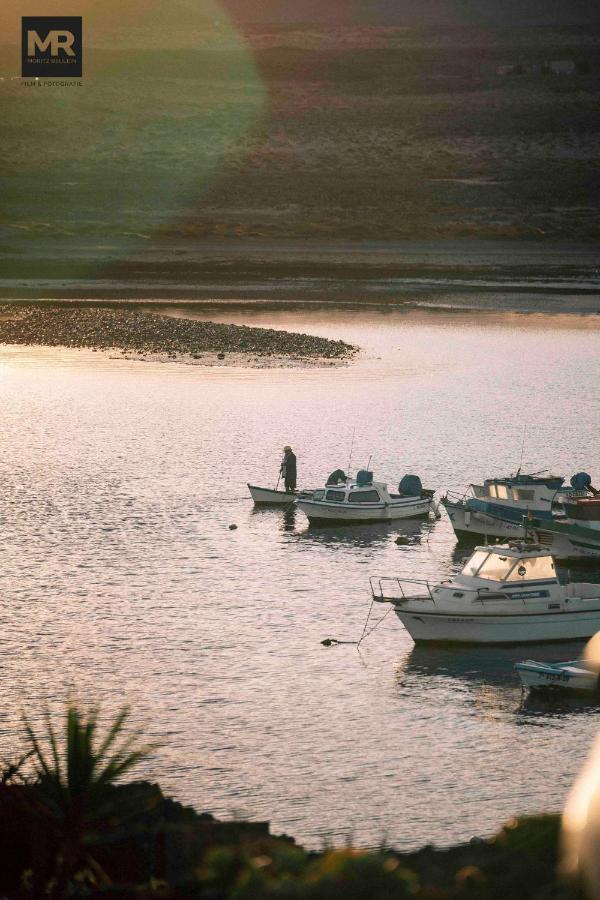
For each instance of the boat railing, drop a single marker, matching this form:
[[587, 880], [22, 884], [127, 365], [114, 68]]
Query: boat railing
[[456, 496], [387, 588]]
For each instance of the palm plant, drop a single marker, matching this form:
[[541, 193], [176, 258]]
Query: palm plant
[[74, 793]]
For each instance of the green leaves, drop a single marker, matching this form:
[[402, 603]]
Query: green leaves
[[73, 794]]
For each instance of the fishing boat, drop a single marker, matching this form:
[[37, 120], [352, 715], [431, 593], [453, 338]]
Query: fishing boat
[[263, 496], [496, 508], [364, 500], [505, 594], [576, 675], [574, 535]]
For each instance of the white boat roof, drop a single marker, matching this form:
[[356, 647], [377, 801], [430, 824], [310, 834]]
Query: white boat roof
[[352, 483], [516, 549]]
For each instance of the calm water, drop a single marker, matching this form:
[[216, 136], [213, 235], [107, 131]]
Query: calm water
[[122, 580]]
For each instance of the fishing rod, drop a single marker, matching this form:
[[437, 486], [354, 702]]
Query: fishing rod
[[351, 449], [522, 449]]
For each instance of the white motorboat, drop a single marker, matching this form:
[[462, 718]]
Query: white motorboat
[[272, 497], [505, 594], [496, 508], [576, 675], [365, 500]]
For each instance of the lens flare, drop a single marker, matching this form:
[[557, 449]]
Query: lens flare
[[170, 96]]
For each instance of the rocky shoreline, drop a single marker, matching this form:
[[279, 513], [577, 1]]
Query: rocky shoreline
[[139, 334]]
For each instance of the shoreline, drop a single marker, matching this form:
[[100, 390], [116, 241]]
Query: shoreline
[[459, 302], [147, 336], [474, 274]]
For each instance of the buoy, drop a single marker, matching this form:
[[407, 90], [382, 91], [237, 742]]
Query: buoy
[[232, 527], [220, 356]]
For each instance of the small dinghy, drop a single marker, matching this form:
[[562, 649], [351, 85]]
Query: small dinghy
[[272, 497], [364, 500], [576, 675]]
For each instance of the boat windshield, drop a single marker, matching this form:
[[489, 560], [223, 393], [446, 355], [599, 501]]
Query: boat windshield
[[474, 563], [484, 564], [534, 569], [495, 567]]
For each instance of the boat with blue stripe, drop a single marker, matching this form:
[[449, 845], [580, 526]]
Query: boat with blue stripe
[[498, 507]]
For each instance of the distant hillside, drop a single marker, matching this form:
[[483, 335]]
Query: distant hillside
[[414, 13]]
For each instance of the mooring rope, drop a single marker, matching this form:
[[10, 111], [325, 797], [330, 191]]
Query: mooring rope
[[329, 642]]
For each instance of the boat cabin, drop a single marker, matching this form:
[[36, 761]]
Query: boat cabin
[[354, 493], [586, 510], [517, 563], [520, 489]]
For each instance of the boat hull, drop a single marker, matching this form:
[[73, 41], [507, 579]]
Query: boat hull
[[544, 677], [568, 540], [467, 522], [270, 497], [489, 629], [329, 513]]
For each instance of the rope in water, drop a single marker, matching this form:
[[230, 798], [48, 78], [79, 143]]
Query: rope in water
[[329, 642]]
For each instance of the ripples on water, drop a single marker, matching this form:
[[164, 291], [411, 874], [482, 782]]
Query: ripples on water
[[121, 578]]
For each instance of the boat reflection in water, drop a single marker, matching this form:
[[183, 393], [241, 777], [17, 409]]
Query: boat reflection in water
[[484, 680], [409, 533]]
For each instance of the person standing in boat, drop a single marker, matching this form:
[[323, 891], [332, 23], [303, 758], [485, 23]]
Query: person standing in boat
[[288, 469]]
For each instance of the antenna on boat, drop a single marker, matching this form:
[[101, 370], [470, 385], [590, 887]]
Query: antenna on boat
[[369, 461], [351, 449], [522, 450]]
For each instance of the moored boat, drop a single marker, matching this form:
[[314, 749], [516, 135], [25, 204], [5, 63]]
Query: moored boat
[[505, 594], [272, 497], [575, 535], [496, 508], [364, 500], [575, 675]]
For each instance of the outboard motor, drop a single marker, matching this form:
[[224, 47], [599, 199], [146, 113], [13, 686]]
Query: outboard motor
[[338, 476], [410, 486], [364, 477], [581, 481]]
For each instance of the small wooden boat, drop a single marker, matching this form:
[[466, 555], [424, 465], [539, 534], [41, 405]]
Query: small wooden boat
[[576, 675], [271, 497]]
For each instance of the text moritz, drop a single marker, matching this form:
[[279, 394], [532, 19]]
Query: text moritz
[[51, 46]]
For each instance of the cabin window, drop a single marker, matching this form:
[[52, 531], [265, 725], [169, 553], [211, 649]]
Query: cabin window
[[496, 567], [523, 494], [502, 491], [536, 569], [492, 490], [318, 495], [336, 495], [475, 561], [364, 497]]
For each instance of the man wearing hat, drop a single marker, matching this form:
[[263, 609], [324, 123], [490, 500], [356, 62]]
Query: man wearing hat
[[288, 469]]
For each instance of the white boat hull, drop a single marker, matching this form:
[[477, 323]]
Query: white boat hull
[[502, 629], [479, 524], [274, 498], [344, 513], [563, 676]]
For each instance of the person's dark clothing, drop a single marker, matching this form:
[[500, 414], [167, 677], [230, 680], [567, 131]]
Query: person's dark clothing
[[288, 470]]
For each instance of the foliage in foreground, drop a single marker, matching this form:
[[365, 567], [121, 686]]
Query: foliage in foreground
[[68, 830]]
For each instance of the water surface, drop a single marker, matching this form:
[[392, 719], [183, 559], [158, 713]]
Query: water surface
[[122, 579]]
